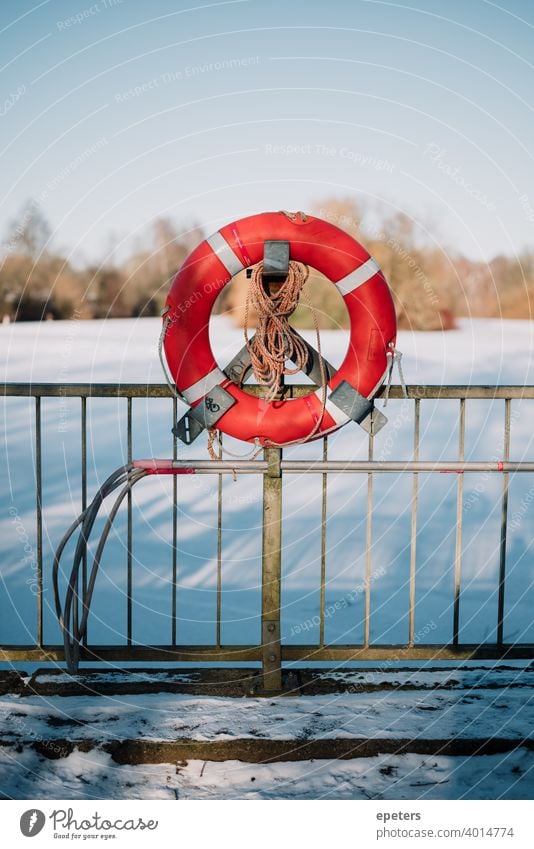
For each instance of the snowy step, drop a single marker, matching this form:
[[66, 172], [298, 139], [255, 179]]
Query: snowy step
[[435, 714], [164, 716], [155, 727], [249, 750]]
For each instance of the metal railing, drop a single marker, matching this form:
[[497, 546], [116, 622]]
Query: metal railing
[[271, 652]]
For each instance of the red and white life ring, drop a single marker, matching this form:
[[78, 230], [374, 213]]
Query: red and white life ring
[[239, 245]]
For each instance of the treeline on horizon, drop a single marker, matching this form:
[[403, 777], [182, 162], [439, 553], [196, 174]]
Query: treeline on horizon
[[432, 286]]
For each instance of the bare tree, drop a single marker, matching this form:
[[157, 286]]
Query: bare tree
[[29, 234]]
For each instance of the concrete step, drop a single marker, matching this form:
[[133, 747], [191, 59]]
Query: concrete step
[[240, 681], [259, 751], [163, 716]]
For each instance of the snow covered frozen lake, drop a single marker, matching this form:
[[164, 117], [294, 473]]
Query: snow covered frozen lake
[[479, 352]]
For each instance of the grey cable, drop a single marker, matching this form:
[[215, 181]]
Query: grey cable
[[73, 632]]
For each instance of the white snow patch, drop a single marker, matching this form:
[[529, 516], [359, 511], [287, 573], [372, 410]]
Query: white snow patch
[[94, 775]]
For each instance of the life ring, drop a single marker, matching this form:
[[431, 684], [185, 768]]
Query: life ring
[[233, 248]]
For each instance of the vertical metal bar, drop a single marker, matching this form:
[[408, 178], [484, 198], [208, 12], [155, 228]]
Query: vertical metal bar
[[368, 545], [219, 549], [415, 503], [323, 546], [129, 532], [459, 528], [39, 502], [174, 525], [84, 489], [504, 523], [272, 570]]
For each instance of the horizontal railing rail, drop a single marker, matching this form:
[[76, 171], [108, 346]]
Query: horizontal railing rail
[[162, 390], [271, 651]]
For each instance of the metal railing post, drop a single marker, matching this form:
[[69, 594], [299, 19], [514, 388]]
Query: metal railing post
[[174, 526], [271, 571], [39, 507], [415, 505], [504, 522], [129, 578], [459, 529]]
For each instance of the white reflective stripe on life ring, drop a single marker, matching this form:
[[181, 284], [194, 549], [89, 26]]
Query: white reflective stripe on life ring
[[224, 252], [197, 390], [358, 277], [338, 415]]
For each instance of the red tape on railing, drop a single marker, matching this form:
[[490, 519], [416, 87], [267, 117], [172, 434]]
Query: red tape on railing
[[162, 467]]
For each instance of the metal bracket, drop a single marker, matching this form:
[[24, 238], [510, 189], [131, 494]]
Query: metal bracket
[[272, 654], [358, 408], [312, 369], [275, 260], [192, 423], [374, 422], [187, 429], [206, 414], [238, 367]]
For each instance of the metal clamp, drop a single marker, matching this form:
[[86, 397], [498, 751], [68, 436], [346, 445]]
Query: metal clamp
[[239, 366], [358, 408], [206, 414], [275, 260], [312, 368]]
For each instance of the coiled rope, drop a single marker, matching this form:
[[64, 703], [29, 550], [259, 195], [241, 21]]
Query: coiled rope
[[275, 341]]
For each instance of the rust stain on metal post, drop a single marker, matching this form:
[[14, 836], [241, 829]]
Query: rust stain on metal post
[[272, 571]]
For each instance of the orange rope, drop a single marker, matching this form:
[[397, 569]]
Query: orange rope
[[275, 341], [212, 438]]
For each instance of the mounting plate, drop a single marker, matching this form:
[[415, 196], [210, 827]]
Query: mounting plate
[[349, 400], [275, 259], [206, 414]]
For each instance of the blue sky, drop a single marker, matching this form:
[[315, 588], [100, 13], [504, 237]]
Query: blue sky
[[112, 113]]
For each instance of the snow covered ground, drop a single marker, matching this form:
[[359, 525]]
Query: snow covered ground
[[93, 775], [479, 352], [461, 706]]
